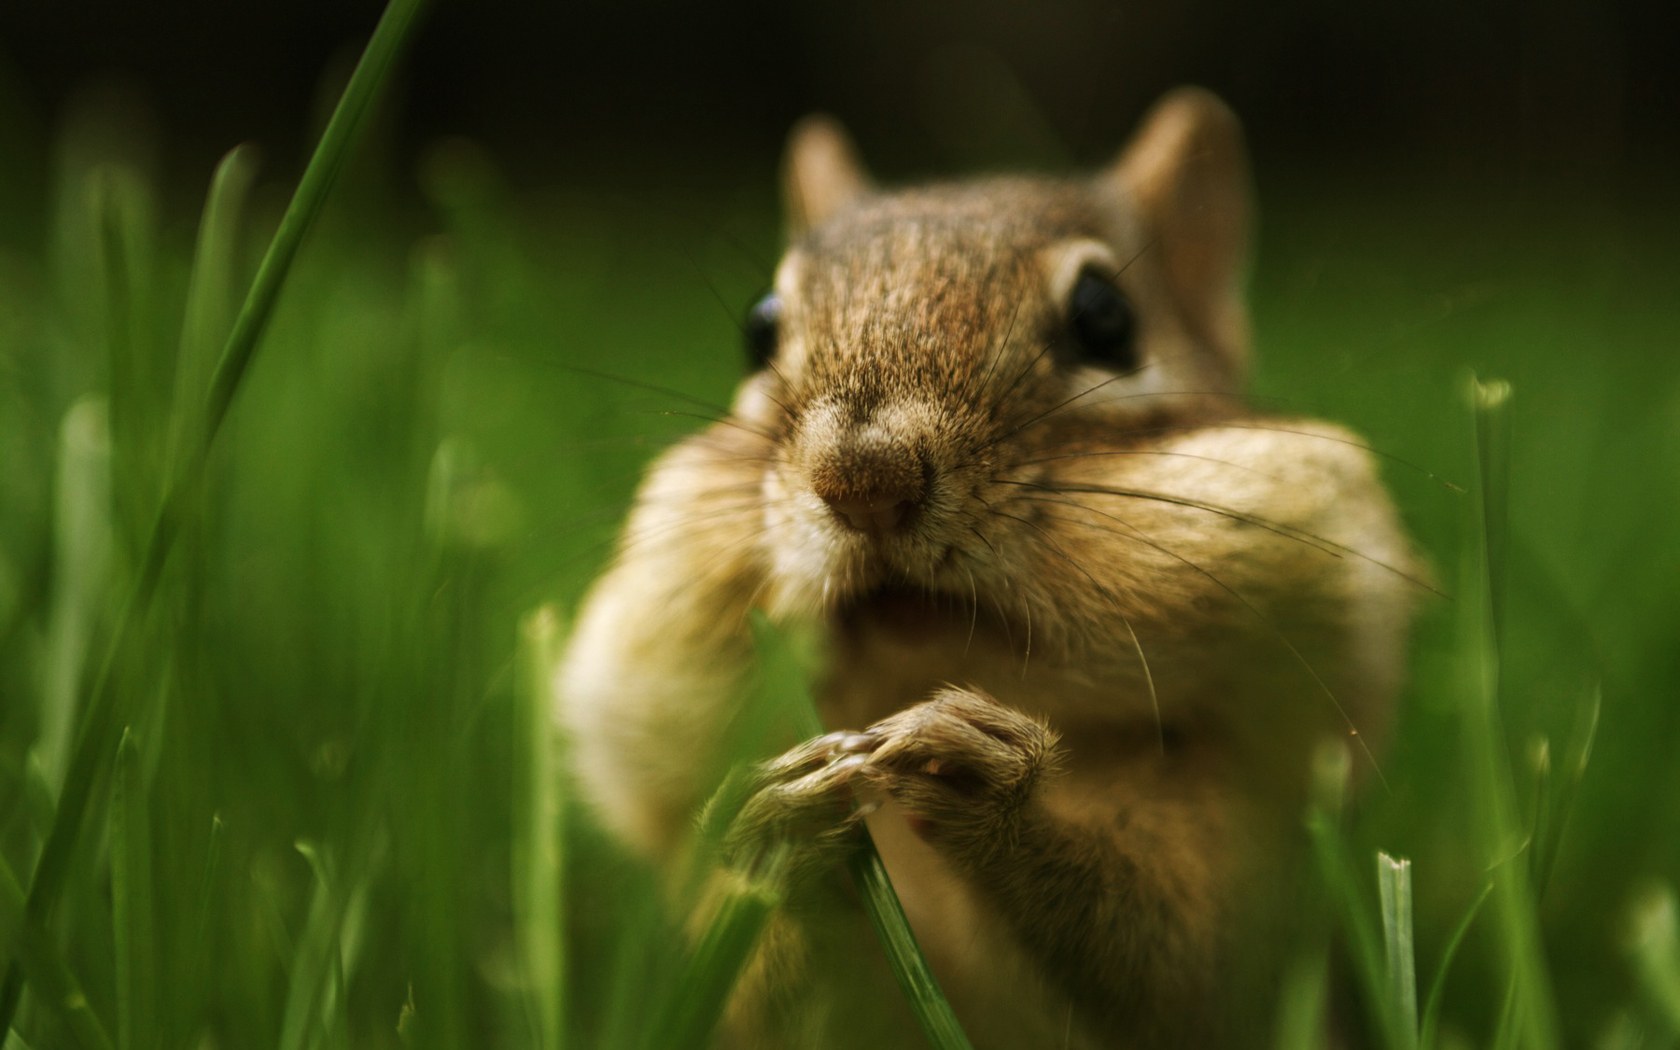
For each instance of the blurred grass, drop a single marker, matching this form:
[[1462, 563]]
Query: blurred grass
[[332, 823], [161, 491]]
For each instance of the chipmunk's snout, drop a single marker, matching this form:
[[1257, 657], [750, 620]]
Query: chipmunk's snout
[[870, 473], [872, 490]]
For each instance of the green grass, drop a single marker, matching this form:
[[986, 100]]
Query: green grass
[[286, 785]]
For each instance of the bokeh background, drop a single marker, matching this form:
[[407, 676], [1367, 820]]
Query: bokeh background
[[559, 202], [1541, 92]]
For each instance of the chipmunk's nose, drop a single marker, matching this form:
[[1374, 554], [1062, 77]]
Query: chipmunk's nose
[[872, 490], [880, 515]]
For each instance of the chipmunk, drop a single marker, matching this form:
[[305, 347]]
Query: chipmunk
[[1087, 615]]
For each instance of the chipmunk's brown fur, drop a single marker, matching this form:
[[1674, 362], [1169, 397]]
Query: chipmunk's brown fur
[[1022, 560]]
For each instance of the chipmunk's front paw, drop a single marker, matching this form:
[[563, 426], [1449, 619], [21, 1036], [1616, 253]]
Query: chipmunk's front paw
[[963, 766], [801, 807]]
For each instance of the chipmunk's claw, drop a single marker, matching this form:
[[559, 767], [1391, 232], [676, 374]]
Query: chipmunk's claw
[[804, 799], [961, 764]]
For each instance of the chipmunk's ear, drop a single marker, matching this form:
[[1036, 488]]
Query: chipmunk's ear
[[821, 173], [1187, 170]]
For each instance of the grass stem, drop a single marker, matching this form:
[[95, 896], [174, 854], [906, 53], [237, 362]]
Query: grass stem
[[1530, 1017], [880, 901], [1394, 892], [133, 905], [538, 834]]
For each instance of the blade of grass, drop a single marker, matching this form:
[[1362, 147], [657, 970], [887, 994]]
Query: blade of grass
[[1438, 986], [82, 541], [37, 799], [731, 934], [938, 1020], [207, 896], [1302, 1019], [639, 959], [132, 902], [1530, 1016], [57, 992], [1347, 895], [209, 290], [11, 910], [1302, 1002], [96, 738], [406, 1034], [1622, 1032], [124, 218], [383, 47], [315, 995], [716, 962], [1563, 802], [1394, 891], [538, 835], [1655, 948], [1540, 830]]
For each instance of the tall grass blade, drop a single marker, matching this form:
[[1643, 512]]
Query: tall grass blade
[[932, 1009], [210, 294], [1655, 950], [100, 721], [734, 928], [207, 898], [314, 1013], [125, 224], [465, 517], [1562, 803], [1541, 830], [1347, 895], [1530, 1016], [1394, 893], [324, 165], [57, 992], [11, 910], [37, 799], [1303, 1001], [82, 543], [1622, 1032], [716, 963], [938, 1020], [639, 959], [1438, 986], [538, 834], [133, 905]]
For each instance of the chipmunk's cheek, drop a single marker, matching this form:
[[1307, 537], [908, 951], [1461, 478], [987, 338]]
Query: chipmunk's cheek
[[795, 551], [755, 404]]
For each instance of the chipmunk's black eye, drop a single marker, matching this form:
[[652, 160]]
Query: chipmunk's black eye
[[1104, 326], [761, 330]]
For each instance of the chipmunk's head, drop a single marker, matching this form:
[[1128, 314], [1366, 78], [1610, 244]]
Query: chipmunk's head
[[923, 352]]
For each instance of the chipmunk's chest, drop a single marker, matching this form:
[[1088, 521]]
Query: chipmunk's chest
[[879, 666], [874, 671]]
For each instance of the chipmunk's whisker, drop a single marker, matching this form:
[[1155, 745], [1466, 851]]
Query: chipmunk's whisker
[[717, 413], [1103, 453], [997, 403], [1170, 428], [1114, 600], [1052, 410], [999, 347], [1289, 646], [1303, 536]]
